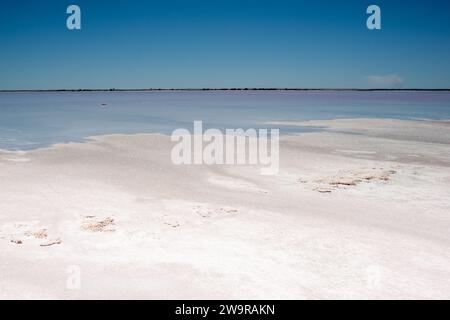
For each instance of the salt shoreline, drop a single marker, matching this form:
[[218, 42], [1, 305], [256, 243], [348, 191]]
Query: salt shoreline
[[349, 216]]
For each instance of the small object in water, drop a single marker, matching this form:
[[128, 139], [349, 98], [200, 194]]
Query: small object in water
[[345, 182], [172, 224], [99, 226], [323, 189], [51, 243], [16, 241], [41, 234]]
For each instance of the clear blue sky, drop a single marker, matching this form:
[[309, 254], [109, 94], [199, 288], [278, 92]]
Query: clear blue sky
[[224, 43]]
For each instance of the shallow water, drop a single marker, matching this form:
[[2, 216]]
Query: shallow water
[[36, 119]]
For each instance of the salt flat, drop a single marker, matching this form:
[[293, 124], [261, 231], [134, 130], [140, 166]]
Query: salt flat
[[361, 210]]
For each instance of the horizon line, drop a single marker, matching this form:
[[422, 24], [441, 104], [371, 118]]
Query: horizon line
[[219, 89]]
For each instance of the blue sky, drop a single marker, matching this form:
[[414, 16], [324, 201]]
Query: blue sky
[[216, 43]]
